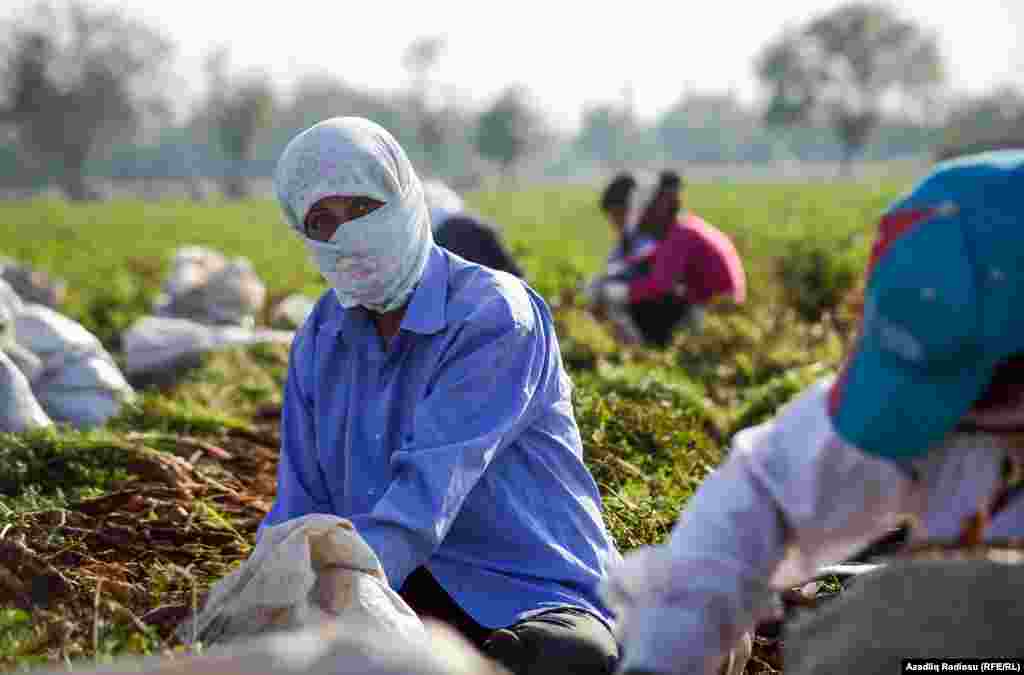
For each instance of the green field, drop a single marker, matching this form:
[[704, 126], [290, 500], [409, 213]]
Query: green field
[[83, 510]]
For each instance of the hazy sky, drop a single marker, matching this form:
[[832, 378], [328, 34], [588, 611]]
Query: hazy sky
[[567, 53]]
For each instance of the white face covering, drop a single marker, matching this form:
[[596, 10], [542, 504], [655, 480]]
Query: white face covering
[[376, 260], [638, 204]]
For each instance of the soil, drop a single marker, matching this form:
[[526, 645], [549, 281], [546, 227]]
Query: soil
[[147, 552]]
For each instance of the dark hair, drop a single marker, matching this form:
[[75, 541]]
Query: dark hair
[[618, 191], [1005, 385], [668, 181]]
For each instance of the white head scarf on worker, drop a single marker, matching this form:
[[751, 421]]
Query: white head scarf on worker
[[376, 260], [442, 201]]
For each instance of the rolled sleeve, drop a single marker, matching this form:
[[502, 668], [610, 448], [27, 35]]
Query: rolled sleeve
[[301, 488], [481, 399]]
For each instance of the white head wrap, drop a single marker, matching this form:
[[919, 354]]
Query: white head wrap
[[442, 201], [642, 196], [375, 260]]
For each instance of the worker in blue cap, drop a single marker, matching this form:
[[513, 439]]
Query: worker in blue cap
[[924, 420]]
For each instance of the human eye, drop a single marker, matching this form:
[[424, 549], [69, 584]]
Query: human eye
[[317, 225], [361, 206]]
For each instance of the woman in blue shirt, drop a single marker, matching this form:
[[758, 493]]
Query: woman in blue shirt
[[426, 401]]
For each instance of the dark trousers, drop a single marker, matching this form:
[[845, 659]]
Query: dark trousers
[[566, 640], [657, 320]]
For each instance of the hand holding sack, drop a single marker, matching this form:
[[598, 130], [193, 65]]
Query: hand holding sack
[[304, 571]]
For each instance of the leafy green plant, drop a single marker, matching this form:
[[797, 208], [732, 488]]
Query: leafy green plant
[[817, 274], [60, 460]]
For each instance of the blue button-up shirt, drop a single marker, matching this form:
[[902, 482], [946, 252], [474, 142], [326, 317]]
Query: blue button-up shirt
[[454, 446]]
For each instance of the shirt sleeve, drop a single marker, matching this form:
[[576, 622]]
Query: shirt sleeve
[[480, 401], [301, 488], [665, 270], [790, 498]]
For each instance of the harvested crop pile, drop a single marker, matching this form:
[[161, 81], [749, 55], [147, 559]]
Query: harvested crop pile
[[137, 558]]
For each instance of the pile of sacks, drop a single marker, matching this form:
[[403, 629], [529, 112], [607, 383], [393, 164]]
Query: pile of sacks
[[206, 287], [33, 285], [52, 369], [208, 302]]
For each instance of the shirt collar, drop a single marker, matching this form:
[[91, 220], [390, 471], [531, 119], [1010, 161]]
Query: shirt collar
[[426, 312]]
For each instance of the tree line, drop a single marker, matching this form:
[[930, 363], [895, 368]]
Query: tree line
[[84, 92]]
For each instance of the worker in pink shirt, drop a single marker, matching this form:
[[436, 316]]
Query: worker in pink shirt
[[694, 263]]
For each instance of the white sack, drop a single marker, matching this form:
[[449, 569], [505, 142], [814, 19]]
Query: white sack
[[32, 285], [47, 333], [9, 299], [10, 305], [292, 311], [206, 287], [192, 267], [234, 294], [305, 571], [334, 648], [78, 382], [82, 388], [19, 409], [156, 344]]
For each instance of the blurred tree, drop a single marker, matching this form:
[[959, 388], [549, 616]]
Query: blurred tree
[[986, 123], [238, 107], [709, 128], [75, 79], [608, 133], [509, 130], [420, 60], [320, 96], [846, 67]]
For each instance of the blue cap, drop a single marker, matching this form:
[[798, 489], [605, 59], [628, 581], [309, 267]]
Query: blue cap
[[944, 305]]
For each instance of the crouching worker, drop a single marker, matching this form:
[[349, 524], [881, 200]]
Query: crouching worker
[[426, 401], [692, 263], [465, 234], [629, 259], [924, 420]]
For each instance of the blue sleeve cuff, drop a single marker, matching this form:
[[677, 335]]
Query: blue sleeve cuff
[[394, 547]]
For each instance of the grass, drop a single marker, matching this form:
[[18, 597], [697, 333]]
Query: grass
[[194, 463]]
